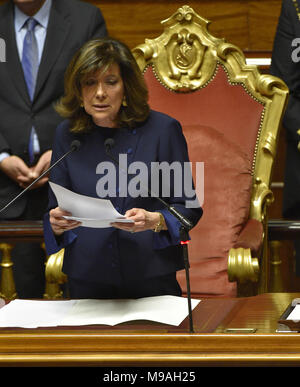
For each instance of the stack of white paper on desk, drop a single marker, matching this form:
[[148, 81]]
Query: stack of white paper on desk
[[169, 310], [91, 212]]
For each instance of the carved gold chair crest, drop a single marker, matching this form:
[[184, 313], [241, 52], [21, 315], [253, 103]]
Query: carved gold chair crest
[[231, 115]]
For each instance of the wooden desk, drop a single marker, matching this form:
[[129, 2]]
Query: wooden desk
[[139, 344]]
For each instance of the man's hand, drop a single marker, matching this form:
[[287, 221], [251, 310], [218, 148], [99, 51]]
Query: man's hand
[[15, 168], [41, 166]]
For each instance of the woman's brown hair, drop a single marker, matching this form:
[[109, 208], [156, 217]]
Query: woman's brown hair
[[96, 55]]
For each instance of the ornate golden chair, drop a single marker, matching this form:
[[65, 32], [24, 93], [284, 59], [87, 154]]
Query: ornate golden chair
[[231, 115]]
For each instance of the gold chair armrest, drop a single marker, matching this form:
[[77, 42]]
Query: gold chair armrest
[[54, 265], [241, 266]]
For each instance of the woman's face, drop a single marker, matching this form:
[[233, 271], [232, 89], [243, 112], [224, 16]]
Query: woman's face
[[102, 95]]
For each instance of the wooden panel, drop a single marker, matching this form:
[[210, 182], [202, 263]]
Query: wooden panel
[[263, 18], [230, 18], [250, 24], [22, 230]]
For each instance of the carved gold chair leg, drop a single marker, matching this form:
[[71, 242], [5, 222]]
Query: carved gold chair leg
[[241, 266], [54, 276], [7, 285]]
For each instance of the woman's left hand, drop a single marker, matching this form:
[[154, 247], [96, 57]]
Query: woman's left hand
[[143, 220]]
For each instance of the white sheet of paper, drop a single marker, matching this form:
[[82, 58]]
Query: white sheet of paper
[[91, 212], [295, 314], [163, 309], [169, 310], [98, 223], [33, 313]]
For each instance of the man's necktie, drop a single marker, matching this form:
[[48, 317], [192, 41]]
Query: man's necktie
[[30, 57], [30, 63]]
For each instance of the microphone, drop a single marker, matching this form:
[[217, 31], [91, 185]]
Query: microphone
[[186, 226], [75, 145]]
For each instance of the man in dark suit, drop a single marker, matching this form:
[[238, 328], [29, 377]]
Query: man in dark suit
[[286, 65], [28, 118]]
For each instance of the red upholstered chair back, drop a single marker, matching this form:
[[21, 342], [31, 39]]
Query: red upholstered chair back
[[230, 115], [220, 104], [213, 120]]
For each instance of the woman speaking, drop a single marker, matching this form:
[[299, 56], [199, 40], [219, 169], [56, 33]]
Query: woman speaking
[[106, 98]]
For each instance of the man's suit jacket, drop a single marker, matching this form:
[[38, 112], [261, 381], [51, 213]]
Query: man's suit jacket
[[286, 65], [71, 24]]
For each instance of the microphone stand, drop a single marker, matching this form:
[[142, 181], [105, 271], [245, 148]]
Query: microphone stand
[[184, 243], [186, 225]]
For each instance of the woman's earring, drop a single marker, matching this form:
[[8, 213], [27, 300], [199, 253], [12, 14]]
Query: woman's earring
[[124, 102]]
